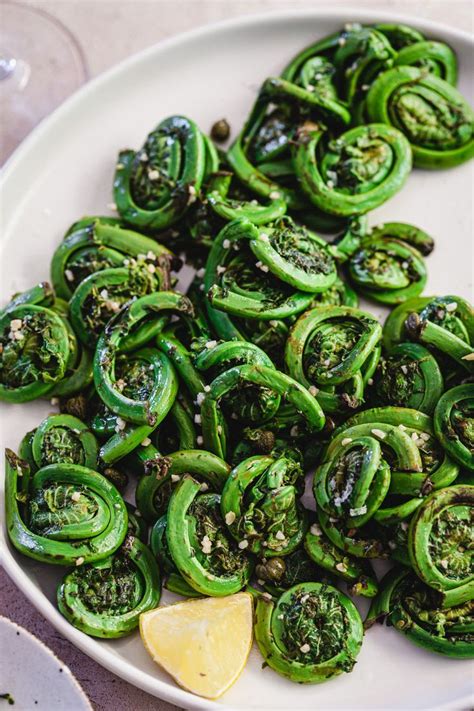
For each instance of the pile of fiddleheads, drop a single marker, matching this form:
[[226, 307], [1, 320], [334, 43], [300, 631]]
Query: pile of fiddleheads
[[208, 409]]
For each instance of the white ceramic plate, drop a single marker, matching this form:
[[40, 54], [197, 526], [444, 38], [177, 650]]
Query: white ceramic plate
[[33, 675], [64, 170]]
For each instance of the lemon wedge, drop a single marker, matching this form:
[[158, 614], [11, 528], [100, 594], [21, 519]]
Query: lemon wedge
[[204, 643]]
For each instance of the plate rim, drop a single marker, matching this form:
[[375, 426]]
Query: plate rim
[[166, 690]]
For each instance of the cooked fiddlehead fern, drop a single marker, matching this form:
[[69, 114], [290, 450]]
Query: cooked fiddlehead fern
[[34, 352], [205, 555], [432, 114], [295, 255], [357, 172], [249, 403], [139, 387], [311, 634], [69, 514], [154, 186], [102, 294], [260, 506], [440, 543], [239, 284], [96, 243], [106, 598], [64, 439], [332, 346], [409, 376], [352, 484], [414, 609], [143, 390], [162, 475], [387, 267], [454, 424]]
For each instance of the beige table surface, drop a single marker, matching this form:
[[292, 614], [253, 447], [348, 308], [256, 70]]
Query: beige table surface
[[109, 31]]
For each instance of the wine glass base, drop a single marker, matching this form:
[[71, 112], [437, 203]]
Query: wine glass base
[[44, 64]]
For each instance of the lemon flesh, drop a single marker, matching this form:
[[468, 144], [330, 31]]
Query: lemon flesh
[[204, 643]]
